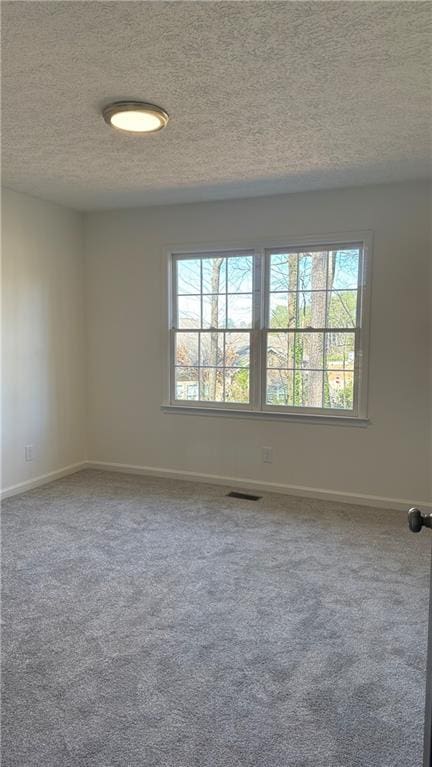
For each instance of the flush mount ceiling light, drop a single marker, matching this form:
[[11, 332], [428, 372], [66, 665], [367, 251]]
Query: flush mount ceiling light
[[135, 116]]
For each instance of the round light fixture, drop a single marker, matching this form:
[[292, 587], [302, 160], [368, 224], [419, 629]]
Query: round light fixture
[[135, 116]]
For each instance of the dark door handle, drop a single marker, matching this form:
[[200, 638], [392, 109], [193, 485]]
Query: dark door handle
[[417, 520]]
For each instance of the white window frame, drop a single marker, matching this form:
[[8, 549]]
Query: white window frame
[[258, 333]]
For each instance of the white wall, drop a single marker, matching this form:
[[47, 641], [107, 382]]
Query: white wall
[[43, 346], [44, 354], [125, 276]]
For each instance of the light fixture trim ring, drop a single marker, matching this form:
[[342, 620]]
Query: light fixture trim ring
[[115, 107]]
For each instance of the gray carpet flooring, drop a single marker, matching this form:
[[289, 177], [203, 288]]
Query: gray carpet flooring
[[156, 623]]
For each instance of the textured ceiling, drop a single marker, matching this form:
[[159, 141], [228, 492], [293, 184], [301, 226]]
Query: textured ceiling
[[264, 97]]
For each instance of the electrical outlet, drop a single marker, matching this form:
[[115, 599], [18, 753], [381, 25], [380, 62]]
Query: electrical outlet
[[28, 452], [267, 454]]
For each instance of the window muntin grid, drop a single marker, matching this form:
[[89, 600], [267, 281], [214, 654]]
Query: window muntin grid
[[213, 319], [318, 328], [324, 316]]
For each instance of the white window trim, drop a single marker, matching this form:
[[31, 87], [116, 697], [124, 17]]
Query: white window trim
[[257, 408]]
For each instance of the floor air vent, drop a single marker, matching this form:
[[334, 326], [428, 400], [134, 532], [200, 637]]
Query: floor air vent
[[244, 496]]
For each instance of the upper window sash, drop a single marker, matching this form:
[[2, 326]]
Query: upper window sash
[[199, 291], [299, 289]]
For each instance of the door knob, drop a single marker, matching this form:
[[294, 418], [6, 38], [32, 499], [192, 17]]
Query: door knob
[[417, 520]]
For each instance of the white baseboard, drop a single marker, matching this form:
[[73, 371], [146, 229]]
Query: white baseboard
[[360, 499], [244, 483], [43, 479]]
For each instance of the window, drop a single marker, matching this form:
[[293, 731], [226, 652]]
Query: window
[[270, 329]]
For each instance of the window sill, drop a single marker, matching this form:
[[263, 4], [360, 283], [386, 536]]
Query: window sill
[[267, 415]]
